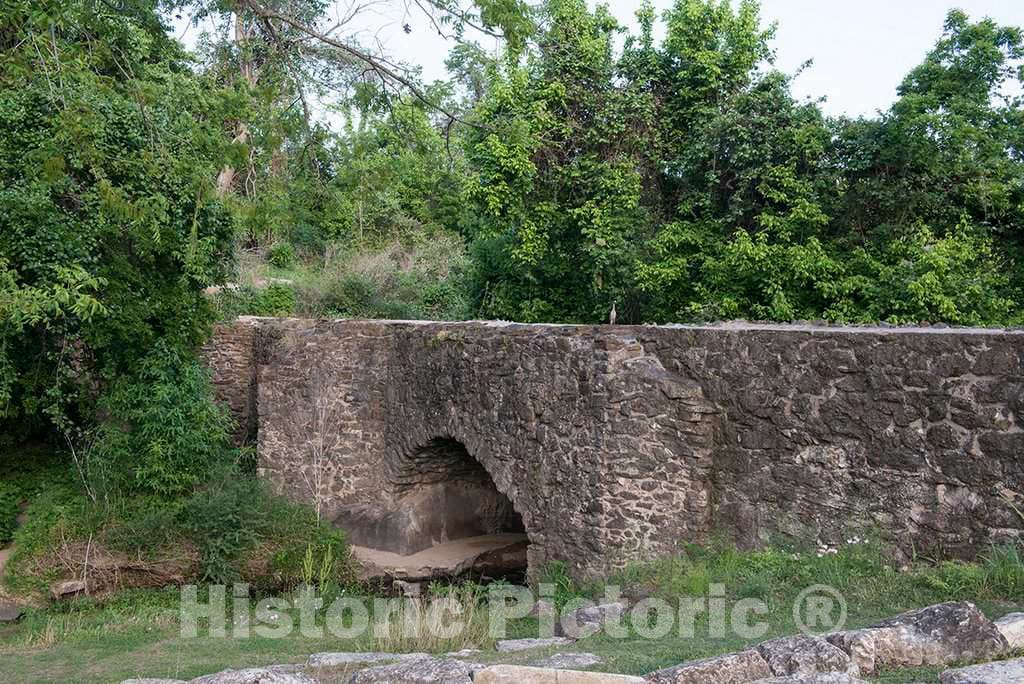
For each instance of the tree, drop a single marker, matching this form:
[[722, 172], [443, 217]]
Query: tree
[[941, 173], [560, 168], [685, 181], [110, 226]]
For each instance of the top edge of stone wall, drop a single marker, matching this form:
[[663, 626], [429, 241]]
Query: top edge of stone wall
[[732, 326]]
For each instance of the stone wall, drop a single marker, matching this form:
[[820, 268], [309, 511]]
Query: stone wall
[[617, 443]]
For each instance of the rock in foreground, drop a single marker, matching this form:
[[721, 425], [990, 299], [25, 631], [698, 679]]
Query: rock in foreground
[[827, 678], [1005, 672], [255, 675], [804, 655], [938, 635], [514, 674], [732, 668], [360, 658], [418, 671], [513, 645], [1012, 628]]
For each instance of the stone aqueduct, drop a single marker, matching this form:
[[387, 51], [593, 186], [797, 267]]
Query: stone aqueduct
[[615, 443]]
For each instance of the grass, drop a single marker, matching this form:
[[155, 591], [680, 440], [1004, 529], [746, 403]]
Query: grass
[[422, 277], [137, 633]]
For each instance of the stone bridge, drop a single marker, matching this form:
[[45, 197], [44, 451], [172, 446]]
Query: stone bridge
[[608, 444]]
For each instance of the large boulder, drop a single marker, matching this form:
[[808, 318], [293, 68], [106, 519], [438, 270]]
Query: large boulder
[[514, 674], [253, 675], [938, 635], [418, 671], [732, 668], [1005, 672], [805, 655], [1012, 628]]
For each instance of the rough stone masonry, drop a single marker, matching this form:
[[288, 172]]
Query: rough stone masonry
[[608, 444]]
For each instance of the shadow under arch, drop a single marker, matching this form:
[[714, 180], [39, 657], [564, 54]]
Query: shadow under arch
[[442, 506]]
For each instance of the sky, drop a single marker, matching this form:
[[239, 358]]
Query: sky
[[861, 49]]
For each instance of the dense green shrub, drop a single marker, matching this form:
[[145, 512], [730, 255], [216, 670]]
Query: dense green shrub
[[244, 531], [163, 432], [238, 527], [110, 223], [281, 255], [224, 518], [682, 180], [277, 299]]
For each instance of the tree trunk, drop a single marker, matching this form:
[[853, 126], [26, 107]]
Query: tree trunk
[[226, 177]]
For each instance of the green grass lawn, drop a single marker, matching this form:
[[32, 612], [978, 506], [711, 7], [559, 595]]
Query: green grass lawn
[[104, 646], [137, 633]]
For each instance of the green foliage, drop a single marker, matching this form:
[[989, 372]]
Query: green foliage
[[223, 518], [919, 276], [245, 532], [420, 281], [1000, 574], [394, 177], [110, 225], [559, 172], [59, 513], [304, 553], [276, 299], [424, 277], [10, 501], [281, 255], [563, 587], [683, 181], [859, 569], [164, 433], [240, 530], [143, 526]]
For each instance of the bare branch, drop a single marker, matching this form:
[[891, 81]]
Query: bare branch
[[388, 73]]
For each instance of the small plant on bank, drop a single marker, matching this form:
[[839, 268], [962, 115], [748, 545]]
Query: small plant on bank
[[281, 255], [420, 626], [318, 574], [556, 575]]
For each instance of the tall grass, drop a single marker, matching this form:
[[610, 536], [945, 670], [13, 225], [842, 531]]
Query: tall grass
[[860, 569], [427, 625], [420, 278]]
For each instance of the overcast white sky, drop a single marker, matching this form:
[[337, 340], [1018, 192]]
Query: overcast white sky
[[861, 48]]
